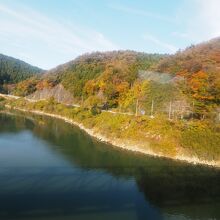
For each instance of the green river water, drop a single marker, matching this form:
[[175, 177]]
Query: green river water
[[52, 170]]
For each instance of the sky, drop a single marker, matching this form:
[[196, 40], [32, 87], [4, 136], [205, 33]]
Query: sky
[[46, 33]]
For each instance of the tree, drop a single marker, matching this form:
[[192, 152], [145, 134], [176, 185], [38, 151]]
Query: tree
[[136, 96]]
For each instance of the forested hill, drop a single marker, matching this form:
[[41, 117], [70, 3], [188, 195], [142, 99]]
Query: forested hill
[[107, 70], [131, 81], [14, 70], [200, 66], [97, 61], [106, 74], [204, 56]]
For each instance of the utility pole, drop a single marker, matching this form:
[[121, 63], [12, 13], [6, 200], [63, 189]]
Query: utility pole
[[173, 112], [152, 109], [193, 110], [58, 98], [136, 114], [170, 110], [181, 111], [82, 100]]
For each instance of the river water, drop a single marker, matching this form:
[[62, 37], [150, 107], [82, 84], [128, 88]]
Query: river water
[[52, 170]]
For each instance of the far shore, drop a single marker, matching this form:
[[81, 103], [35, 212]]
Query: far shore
[[122, 143]]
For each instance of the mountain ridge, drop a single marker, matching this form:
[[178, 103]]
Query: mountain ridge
[[113, 78], [13, 70]]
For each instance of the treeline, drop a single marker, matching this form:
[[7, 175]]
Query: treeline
[[115, 80], [97, 79], [108, 80], [110, 68], [13, 71], [199, 67]]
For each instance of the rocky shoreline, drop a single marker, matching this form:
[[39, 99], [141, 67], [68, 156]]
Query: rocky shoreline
[[123, 144]]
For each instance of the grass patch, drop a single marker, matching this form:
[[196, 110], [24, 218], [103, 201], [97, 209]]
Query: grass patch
[[198, 138]]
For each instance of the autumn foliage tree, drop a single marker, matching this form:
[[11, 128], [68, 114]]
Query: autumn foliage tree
[[201, 86]]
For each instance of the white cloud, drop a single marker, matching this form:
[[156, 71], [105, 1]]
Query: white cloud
[[200, 20], [209, 17], [171, 48], [26, 27]]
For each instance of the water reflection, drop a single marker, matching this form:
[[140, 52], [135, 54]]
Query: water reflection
[[71, 174]]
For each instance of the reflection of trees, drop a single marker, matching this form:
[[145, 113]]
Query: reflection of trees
[[197, 186], [165, 183]]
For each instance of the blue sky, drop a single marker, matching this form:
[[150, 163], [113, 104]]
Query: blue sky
[[47, 33]]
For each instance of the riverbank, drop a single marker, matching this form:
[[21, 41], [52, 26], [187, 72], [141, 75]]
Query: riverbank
[[139, 146]]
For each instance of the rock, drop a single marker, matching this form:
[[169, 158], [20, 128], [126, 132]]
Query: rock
[[59, 93]]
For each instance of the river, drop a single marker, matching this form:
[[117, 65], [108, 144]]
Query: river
[[50, 169]]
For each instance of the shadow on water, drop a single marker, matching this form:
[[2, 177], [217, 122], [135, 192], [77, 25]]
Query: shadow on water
[[98, 178]]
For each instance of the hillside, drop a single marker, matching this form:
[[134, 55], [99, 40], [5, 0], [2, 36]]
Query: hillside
[[109, 68], [168, 105], [186, 84], [204, 56], [199, 65], [13, 70], [96, 77]]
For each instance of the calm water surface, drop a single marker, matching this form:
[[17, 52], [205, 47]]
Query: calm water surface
[[52, 170]]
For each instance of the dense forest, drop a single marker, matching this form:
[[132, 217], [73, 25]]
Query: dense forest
[[183, 85], [186, 84], [199, 66], [13, 71], [99, 79], [130, 81]]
